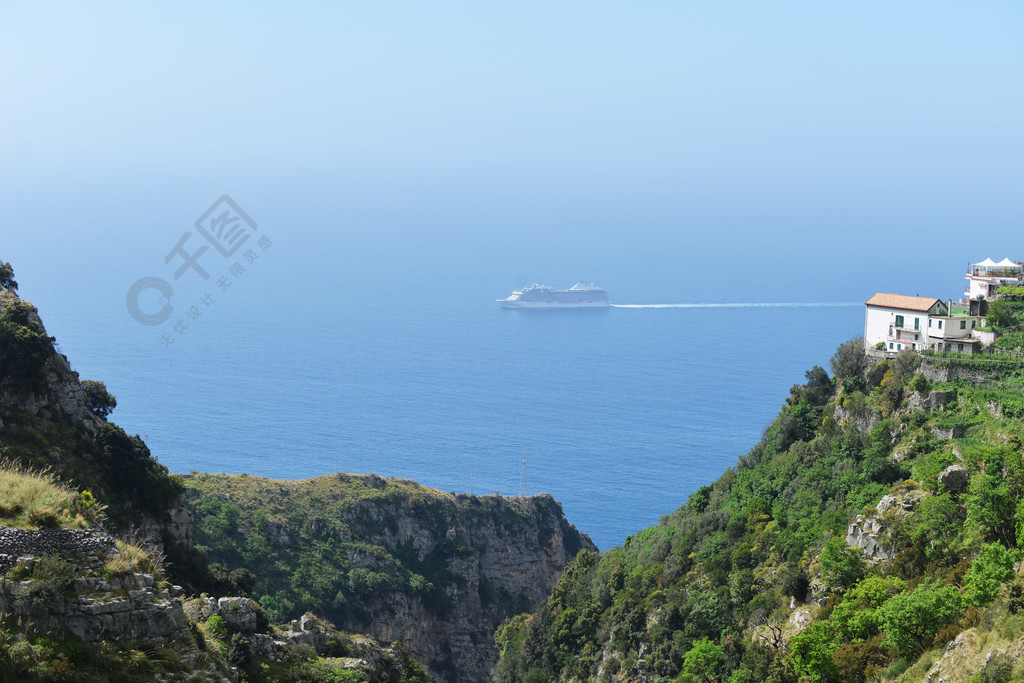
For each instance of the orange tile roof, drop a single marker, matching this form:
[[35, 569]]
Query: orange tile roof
[[909, 303]]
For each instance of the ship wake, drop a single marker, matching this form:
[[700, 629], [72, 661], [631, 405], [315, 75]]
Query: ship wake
[[781, 304]]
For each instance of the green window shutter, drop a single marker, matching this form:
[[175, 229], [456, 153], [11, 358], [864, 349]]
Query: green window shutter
[[917, 323], [899, 321]]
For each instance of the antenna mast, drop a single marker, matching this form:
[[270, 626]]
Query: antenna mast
[[522, 478]]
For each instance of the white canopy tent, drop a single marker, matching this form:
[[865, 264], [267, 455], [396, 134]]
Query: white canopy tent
[[1007, 263]]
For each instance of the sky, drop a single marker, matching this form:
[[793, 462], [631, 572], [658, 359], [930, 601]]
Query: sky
[[829, 149]]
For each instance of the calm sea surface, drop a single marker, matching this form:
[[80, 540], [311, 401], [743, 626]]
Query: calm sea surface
[[620, 413]]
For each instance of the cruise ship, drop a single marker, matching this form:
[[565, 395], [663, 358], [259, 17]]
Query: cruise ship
[[539, 296]]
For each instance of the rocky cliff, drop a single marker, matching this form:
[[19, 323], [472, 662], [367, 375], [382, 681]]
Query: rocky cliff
[[434, 571], [47, 421]]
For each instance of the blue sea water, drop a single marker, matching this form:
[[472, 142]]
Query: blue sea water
[[399, 362]]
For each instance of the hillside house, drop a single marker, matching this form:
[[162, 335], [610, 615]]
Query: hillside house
[[984, 279], [897, 322]]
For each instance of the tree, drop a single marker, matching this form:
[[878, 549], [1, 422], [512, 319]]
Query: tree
[[911, 620], [701, 662], [841, 565], [991, 568], [7, 277], [812, 651], [818, 388], [857, 616], [992, 497], [849, 360], [97, 398], [24, 346], [1000, 314]]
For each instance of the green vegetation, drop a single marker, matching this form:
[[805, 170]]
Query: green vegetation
[[7, 280], [31, 658], [24, 346], [33, 500], [302, 541], [97, 398], [706, 595]]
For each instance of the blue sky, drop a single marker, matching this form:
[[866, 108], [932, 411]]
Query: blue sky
[[726, 129]]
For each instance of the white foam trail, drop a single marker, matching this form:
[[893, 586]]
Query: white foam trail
[[747, 305]]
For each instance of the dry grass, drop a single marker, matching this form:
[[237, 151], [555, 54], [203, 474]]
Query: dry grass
[[135, 558], [36, 499]]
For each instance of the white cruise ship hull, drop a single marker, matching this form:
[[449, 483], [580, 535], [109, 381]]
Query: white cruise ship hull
[[515, 303], [539, 296]]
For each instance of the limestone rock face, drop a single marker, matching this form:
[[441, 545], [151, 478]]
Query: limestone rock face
[[954, 478], [954, 432], [93, 605], [933, 400], [177, 527], [900, 502], [63, 388], [519, 552], [867, 532], [239, 613], [863, 422]]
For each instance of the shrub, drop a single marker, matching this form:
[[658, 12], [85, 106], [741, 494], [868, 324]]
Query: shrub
[[217, 627], [24, 347], [97, 398], [911, 620], [240, 653], [7, 280], [920, 384], [841, 565], [990, 569]]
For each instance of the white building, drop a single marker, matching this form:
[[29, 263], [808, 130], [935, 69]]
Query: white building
[[896, 322], [984, 279], [899, 322]]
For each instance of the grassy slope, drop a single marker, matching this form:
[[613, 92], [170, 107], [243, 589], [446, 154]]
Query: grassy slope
[[706, 594]]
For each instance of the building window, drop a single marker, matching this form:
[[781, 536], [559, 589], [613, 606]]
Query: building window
[[917, 323], [959, 347], [929, 322], [963, 324], [940, 324], [972, 323], [890, 346], [899, 321]]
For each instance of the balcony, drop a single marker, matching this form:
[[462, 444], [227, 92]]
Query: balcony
[[1001, 273]]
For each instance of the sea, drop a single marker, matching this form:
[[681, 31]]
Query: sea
[[390, 355]]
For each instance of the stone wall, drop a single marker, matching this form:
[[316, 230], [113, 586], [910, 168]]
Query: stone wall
[[21, 542], [95, 605], [948, 369]]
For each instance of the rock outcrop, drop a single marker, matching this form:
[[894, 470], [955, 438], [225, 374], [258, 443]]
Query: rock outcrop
[[69, 589], [954, 478], [518, 554], [61, 390], [439, 572], [868, 532]]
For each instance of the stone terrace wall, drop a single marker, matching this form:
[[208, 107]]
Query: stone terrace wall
[[18, 542]]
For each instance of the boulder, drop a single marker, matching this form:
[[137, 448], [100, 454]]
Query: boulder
[[239, 613]]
